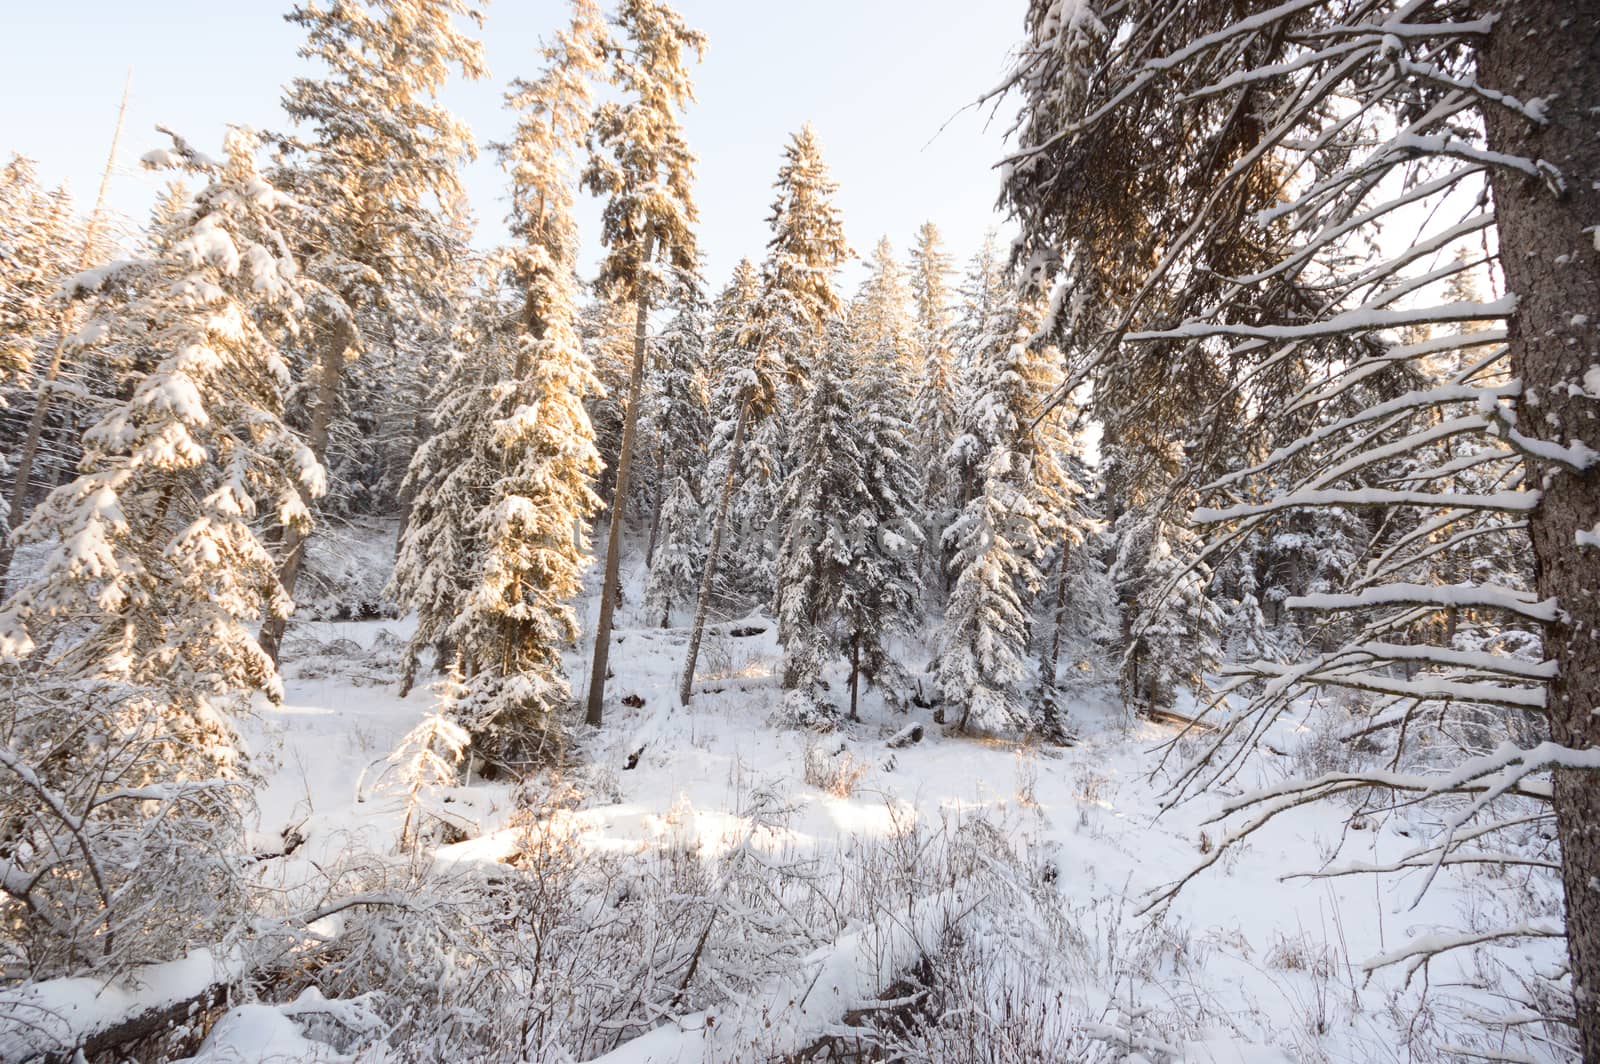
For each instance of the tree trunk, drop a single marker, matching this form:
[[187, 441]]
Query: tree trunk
[[713, 549], [1056, 618], [655, 507], [23, 481], [611, 588], [330, 376], [855, 674], [1550, 49]]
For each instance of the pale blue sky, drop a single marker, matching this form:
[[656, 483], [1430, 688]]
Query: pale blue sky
[[877, 78]]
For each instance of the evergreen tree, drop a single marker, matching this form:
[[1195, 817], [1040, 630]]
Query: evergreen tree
[[35, 233], [678, 405], [1235, 291], [742, 569], [821, 504], [881, 322], [41, 245], [497, 546], [1005, 530], [883, 583], [935, 407], [606, 328], [160, 521], [797, 299], [1174, 625], [379, 165], [424, 765], [987, 301], [641, 163], [847, 562], [675, 569], [448, 482], [127, 654]]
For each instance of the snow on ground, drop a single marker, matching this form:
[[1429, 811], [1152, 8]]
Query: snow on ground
[[1243, 967]]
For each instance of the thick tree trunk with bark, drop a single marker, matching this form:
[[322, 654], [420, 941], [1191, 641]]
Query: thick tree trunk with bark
[[330, 377], [719, 523], [611, 590], [1550, 252]]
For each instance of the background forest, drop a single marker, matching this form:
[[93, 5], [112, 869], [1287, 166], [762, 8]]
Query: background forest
[[1167, 635]]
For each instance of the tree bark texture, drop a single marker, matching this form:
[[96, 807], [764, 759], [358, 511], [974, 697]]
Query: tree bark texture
[[1550, 254]]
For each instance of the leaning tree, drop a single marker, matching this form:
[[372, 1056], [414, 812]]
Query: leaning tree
[[1266, 214]]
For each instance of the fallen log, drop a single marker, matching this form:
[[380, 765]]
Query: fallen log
[[1167, 716], [911, 733], [56, 1020]]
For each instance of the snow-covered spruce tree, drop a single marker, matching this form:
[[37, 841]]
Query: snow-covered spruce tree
[[786, 322], [987, 296], [36, 237], [639, 161], [677, 561], [1174, 630], [519, 613], [679, 417], [447, 483], [822, 503], [35, 233], [1005, 530], [1214, 210], [605, 326], [742, 572], [498, 544], [128, 654], [1246, 634], [678, 403], [425, 764], [881, 319], [883, 584], [377, 169], [384, 406], [935, 407], [43, 392], [847, 563]]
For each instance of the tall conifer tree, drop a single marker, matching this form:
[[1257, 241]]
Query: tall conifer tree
[[641, 163], [497, 550], [379, 163], [797, 299]]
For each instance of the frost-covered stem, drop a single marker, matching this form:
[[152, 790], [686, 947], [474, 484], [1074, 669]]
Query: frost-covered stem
[[74, 826], [610, 589], [340, 339], [707, 578], [41, 402], [1546, 48]]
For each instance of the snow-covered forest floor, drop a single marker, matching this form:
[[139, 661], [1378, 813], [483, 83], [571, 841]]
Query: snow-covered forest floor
[[1018, 871]]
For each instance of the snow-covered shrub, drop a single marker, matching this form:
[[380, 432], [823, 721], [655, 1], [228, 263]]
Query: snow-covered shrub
[[979, 999], [830, 767], [112, 863], [417, 773], [566, 951], [808, 709], [1001, 977], [1300, 953]]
